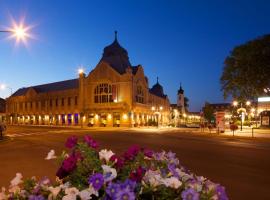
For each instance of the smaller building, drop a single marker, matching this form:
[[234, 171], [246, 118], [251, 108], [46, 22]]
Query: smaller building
[[2, 110], [222, 113], [264, 111]]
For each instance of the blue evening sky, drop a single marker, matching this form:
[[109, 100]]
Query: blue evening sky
[[178, 41]]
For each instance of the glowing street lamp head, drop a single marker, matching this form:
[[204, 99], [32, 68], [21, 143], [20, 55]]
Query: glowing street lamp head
[[80, 71], [19, 31], [235, 103], [2, 86]]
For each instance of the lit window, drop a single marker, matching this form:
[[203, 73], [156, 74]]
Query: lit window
[[139, 95], [103, 93]]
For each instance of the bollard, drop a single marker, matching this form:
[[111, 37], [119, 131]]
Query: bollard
[[252, 132]]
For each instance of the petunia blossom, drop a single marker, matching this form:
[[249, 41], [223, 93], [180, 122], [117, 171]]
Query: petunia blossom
[[51, 155], [105, 154], [108, 173]]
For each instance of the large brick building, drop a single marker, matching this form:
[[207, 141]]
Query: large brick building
[[2, 110], [114, 93]]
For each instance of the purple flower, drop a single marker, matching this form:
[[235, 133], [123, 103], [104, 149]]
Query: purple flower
[[44, 181], [220, 190], [172, 158], [159, 156], [132, 152], [125, 194], [71, 142], [190, 194], [148, 153], [112, 190], [91, 143], [131, 185], [96, 180], [172, 169], [36, 197]]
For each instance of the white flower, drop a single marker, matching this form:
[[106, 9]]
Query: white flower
[[86, 194], [17, 180], [105, 154], [3, 195], [172, 182], [153, 178], [51, 155], [54, 191], [71, 193], [108, 173], [183, 176]]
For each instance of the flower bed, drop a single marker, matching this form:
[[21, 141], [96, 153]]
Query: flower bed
[[140, 173]]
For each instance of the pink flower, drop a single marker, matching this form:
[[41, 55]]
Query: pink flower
[[118, 161], [91, 143], [148, 153], [137, 175], [132, 152], [68, 165], [71, 142]]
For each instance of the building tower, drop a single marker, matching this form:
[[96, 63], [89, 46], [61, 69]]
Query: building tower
[[181, 99]]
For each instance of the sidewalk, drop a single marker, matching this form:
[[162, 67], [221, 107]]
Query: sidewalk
[[246, 132]]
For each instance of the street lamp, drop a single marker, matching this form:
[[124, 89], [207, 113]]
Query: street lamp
[[18, 31], [241, 110], [157, 110]]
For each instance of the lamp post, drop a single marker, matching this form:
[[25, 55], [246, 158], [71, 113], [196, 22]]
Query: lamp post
[[242, 110], [157, 110]]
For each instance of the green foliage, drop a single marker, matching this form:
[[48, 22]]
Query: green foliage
[[208, 112], [246, 70], [29, 184], [86, 166]]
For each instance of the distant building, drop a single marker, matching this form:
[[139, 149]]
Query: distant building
[[264, 110], [114, 93], [222, 114], [2, 110], [221, 107]]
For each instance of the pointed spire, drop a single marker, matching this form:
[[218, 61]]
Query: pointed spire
[[115, 35], [157, 79], [180, 91]]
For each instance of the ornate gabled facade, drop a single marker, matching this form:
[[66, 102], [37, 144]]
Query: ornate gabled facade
[[115, 93]]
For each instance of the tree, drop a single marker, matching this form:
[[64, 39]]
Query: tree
[[246, 70], [208, 112]]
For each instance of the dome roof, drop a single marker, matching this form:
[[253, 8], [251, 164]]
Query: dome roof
[[116, 56], [157, 90]]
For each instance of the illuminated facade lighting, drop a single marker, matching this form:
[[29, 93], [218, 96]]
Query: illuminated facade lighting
[[264, 99]]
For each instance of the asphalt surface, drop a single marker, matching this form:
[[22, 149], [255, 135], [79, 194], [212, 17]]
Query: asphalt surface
[[242, 165]]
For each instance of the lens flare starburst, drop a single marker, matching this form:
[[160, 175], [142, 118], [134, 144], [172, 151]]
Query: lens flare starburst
[[20, 31]]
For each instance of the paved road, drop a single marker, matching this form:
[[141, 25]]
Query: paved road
[[242, 165]]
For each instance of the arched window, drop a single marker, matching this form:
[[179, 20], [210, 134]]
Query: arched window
[[139, 95], [103, 93]]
